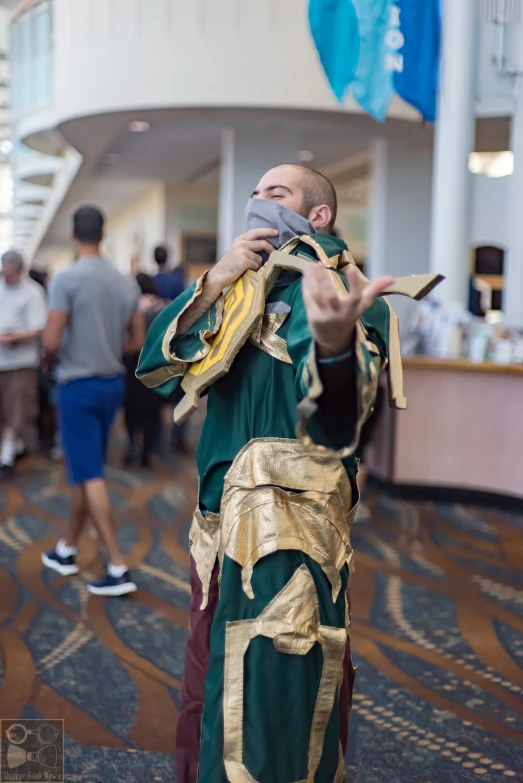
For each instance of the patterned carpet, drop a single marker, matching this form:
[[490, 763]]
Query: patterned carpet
[[437, 632]]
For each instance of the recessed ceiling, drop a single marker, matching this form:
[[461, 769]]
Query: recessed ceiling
[[181, 142], [182, 148], [177, 150]]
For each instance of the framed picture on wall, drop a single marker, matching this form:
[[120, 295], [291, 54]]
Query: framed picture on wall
[[199, 248]]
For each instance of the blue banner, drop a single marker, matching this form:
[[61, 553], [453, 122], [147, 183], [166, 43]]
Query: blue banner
[[420, 28], [373, 85], [380, 47], [334, 27]]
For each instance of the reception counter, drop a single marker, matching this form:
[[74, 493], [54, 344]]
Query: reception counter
[[463, 429]]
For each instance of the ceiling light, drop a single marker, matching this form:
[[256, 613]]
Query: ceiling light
[[305, 156], [6, 146], [139, 126], [492, 164]]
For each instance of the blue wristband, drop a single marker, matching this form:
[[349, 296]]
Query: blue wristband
[[336, 359]]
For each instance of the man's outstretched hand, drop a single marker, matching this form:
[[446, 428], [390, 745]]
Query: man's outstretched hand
[[333, 317]]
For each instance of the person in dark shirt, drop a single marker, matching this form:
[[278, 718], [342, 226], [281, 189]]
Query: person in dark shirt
[[47, 392], [142, 407], [169, 283]]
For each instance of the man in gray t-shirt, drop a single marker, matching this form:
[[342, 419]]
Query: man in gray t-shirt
[[93, 319], [100, 303]]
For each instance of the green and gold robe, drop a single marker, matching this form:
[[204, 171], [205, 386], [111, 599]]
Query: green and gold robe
[[277, 498]]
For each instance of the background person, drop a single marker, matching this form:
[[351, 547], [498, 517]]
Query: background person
[[93, 319], [142, 407], [169, 283], [47, 413], [23, 313]]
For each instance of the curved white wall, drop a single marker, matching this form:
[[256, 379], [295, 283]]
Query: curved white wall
[[120, 55]]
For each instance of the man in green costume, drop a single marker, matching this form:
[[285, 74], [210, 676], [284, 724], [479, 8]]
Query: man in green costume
[[268, 676]]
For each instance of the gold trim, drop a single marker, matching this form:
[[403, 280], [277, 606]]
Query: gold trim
[[330, 262], [255, 335], [337, 280], [274, 321], [340, 772], [347, 259], [289, 246], [280, 260], [163, 374], [311, 379], [273, 461], [323, 258], [397, 397], [277, 496], [292, 620], [416, 287], [265, 337], [367, 375], [204, 537], [204, 335]]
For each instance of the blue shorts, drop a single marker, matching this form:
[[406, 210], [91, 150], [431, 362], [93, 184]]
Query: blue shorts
[[87, 408]]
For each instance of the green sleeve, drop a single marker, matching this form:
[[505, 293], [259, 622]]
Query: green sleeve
[[166, 355], [371, 350]]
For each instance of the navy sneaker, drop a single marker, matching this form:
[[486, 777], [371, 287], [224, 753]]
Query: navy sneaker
[[7, 473], [66, 566], [112, 585]]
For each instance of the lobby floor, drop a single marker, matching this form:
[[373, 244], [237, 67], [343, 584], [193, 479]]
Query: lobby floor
[[437, 609]]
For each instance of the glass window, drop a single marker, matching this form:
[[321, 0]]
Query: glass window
[[31, 59]]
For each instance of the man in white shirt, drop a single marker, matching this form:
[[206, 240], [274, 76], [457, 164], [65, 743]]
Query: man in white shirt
[[23, 313]]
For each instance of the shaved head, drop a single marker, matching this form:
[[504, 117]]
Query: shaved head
[[302, 190], [317, 190]]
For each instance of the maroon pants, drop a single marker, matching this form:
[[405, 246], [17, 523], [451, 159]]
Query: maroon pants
[[193, 686]]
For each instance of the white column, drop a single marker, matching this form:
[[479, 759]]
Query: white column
[[513, 272], [454, 141], [246, 154], [400, 209], [377, 247], [226, 213]]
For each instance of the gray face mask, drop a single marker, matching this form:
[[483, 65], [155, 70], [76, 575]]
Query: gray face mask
[[268, 214]]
